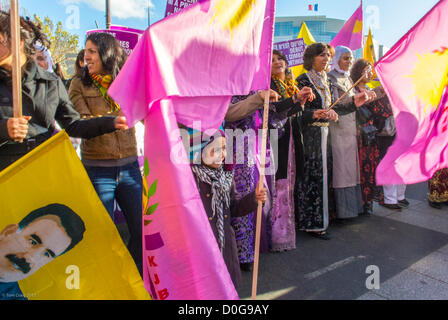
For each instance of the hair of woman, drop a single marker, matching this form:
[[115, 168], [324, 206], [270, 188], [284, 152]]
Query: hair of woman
[[357, 70], [313, 51], [30, 33], [79, 58], [111, 54]]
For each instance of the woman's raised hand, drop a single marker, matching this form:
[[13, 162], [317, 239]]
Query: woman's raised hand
[[121, 123], [306, 94]]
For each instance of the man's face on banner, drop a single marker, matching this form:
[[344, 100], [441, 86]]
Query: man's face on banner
[[23, 252]]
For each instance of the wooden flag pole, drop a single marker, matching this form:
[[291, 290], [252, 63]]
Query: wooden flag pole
[[365, 75], [260, 204], [16, 67]]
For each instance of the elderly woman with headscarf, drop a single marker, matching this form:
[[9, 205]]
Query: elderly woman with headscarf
[[344, 142]]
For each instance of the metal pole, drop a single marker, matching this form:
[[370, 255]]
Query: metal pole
[[108, 18]]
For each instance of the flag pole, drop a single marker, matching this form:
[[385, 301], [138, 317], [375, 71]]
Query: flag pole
[[260, 204], [15, 51], [262, 164]]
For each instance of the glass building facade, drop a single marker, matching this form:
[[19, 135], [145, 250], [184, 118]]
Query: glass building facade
[[322, 28]]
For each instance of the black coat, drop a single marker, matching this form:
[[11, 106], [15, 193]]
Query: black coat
[[238, 208], [45, 99]]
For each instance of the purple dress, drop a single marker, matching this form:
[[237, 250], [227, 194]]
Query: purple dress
[[247, 176]]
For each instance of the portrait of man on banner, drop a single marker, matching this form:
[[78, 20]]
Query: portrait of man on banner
[[39, 238]]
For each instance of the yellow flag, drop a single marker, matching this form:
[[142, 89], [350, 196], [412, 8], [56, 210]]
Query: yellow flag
[[369, 54], [308, 39], [57, 240]]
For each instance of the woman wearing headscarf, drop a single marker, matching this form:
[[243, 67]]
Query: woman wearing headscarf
[[217, 190], [314, 197], [344, 141]]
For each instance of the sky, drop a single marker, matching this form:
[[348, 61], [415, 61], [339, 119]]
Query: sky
[[389, 19]]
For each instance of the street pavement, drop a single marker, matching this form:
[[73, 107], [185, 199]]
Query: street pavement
[[408, 251]]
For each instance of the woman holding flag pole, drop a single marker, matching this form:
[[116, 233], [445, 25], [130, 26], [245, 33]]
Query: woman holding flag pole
[[313, 196], [344, 142]]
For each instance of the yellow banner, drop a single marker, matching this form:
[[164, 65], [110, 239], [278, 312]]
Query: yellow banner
[[308, 39], [369, 54], [57, 240]]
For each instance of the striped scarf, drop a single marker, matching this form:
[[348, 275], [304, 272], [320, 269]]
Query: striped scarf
[[103, 83], [287, 88], [221, 182]]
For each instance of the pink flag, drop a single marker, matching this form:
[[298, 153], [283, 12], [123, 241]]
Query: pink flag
[[414, 74], [209, 51], [185, 69], [351, 33]]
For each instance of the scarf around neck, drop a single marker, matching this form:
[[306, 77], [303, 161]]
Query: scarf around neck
[[320, 81], [287, 88], [103, 83], [220, 182]]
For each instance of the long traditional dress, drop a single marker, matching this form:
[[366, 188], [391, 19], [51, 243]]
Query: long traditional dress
[[344, 143], [438, 187], [369, 154], [247, 175], [289, 166], [314, 195]]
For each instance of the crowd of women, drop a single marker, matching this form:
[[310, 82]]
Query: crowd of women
[[333, 130]]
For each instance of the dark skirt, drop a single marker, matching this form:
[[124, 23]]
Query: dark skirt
[[314, 199]]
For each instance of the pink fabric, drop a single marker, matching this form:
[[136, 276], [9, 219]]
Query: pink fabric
[[351, 33], [420, 147], [283, 218], [187, 263], [191, 57], [185, 68]]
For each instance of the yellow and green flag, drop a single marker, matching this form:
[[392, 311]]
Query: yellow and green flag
[[57, 241], [308, 39]]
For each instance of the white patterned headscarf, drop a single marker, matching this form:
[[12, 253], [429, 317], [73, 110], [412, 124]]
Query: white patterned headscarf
[[339, 52], [47, 54]]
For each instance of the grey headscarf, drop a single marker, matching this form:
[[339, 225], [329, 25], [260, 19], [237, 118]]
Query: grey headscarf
[[339, 52]]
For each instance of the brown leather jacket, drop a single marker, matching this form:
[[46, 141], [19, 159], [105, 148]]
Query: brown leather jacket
[[89, 102]]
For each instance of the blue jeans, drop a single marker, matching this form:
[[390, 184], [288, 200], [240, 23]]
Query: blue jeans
[[125, 185]]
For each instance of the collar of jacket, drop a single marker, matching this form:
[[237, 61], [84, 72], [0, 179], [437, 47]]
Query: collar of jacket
[[31, 72]]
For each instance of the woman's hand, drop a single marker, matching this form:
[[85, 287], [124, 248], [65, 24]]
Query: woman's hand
[[306, 94], [320, 114], [364, 97], [121, 123], [261, 195], [332, 116], [18, 128], [273, 96]]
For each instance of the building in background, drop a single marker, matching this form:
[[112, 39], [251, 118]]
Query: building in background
[[322, 28]]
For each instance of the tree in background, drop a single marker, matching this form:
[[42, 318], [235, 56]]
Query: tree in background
[[64, 45]]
